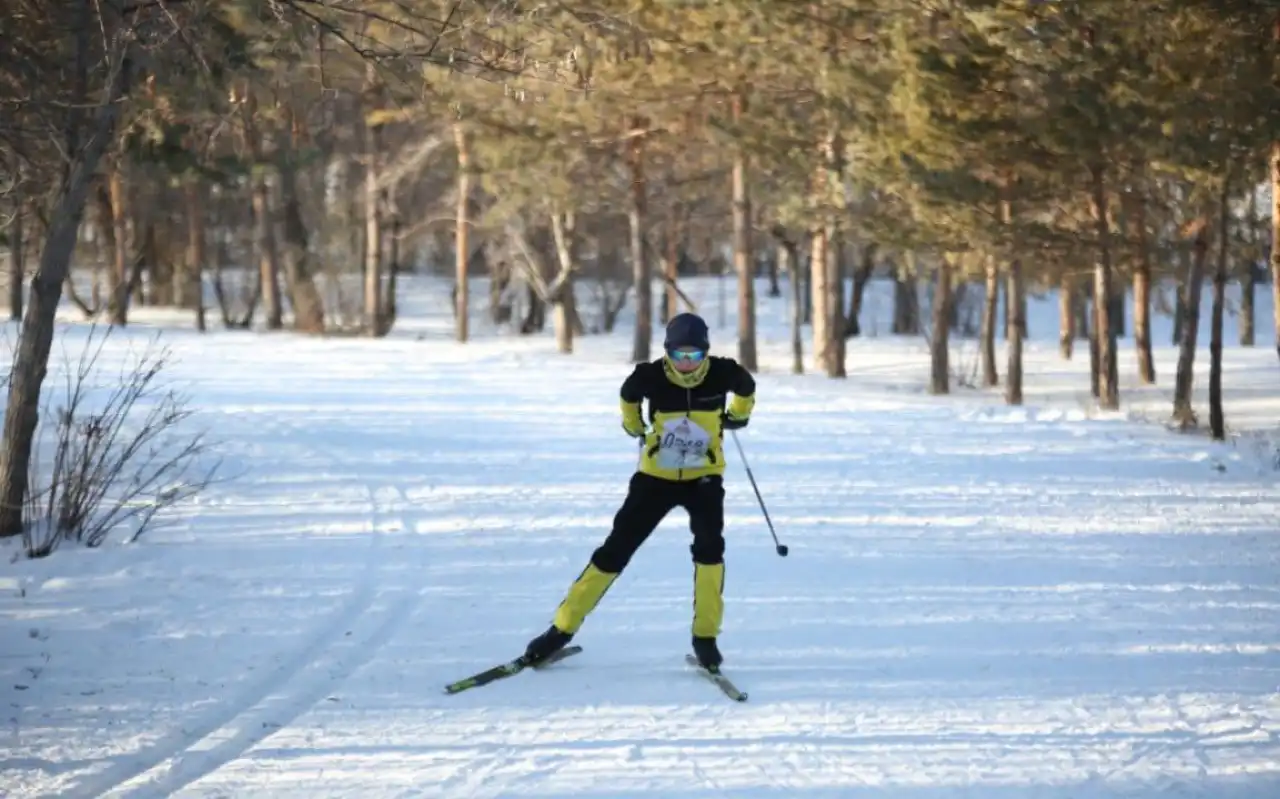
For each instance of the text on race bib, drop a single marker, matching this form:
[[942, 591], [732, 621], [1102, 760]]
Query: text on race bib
[[682, 444]]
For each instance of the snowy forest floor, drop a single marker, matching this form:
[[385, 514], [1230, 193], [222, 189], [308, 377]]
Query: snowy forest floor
[[1033, 603]]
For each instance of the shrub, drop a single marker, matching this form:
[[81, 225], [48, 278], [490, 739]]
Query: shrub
[[121, 452]]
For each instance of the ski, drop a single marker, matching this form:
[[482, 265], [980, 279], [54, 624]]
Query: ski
[[508, 669], [722, 682]]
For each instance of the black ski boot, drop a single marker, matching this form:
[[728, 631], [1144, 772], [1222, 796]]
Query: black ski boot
[[707, 653], [547, 644]]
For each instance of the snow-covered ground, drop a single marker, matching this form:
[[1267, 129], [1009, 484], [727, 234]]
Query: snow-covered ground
[[1037, 603]]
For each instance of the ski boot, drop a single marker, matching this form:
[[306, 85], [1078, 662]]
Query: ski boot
[[707, 653], [547, 644]]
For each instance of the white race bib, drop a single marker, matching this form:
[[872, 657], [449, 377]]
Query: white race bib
[[682, 444]]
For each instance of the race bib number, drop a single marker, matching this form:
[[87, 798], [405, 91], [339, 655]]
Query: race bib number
[[682, 444]]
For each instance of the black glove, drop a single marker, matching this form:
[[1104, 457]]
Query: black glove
[[730, 423]]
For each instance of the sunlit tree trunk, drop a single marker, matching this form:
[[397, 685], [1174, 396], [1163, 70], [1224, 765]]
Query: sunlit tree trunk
[[640, 266]]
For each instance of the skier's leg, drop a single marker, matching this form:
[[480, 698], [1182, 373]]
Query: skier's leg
[[705, 503], [649, 500]]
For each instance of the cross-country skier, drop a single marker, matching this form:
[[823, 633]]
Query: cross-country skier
[[682, 464]]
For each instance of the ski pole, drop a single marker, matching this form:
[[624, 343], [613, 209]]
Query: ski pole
[[781, 548]]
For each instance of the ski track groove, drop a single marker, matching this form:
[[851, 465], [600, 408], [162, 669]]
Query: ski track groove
[[335, 651]]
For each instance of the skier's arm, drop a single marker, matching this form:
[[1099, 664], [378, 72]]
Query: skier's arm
[[743, 386], [631, 395]]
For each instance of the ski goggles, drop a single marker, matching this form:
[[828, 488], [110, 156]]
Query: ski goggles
[[693, 356]]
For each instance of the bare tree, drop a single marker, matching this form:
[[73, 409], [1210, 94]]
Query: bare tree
[[87, 139]]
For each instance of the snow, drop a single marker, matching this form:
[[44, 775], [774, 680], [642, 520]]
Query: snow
[[1015, 603]]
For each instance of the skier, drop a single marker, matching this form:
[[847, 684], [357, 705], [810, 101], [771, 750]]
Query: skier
[[681, 464]]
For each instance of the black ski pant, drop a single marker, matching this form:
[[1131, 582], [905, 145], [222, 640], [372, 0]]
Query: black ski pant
[[649, 500]]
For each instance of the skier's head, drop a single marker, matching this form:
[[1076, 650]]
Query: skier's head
[[686, 343]]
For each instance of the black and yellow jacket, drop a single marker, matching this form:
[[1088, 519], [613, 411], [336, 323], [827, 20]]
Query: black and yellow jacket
[[685, 413]]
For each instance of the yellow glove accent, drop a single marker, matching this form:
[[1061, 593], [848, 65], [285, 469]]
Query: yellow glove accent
[[631, 421], [740, 407]]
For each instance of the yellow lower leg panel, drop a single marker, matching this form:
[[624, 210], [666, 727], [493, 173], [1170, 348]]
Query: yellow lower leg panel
[[708, 599], [583, 596]]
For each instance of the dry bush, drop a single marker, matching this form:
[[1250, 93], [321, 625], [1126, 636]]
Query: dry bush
[[121, 452]]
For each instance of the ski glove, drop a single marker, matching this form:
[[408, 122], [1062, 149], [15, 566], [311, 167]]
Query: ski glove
[[729, 422], [632, 422]]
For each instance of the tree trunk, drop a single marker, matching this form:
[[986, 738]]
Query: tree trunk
[[35, 341], [374, 311], [775, 284], [1183, 412], [826, 272], [118, 274], [1116, 312], [835, 301], [819, 319], [499, 306], [640, 267], [1142, 296], [308, 309], [197, 248], [789, 260], [1108, 368], [742, 255], [462, 303], [562, 228], [17, 270], [1017, 323], [804, 272], [1180, 295], [939, 342], [1009, 302], [852, 329], [1275, 228], [1016, 301], [1066, 316], [959, 290], [906, 301], [987, 335], [264, 246], [1080, 309], [1248, 276], [1095, 370], [159, 253], [1217, 422], [1275, 206], [390, 297]]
